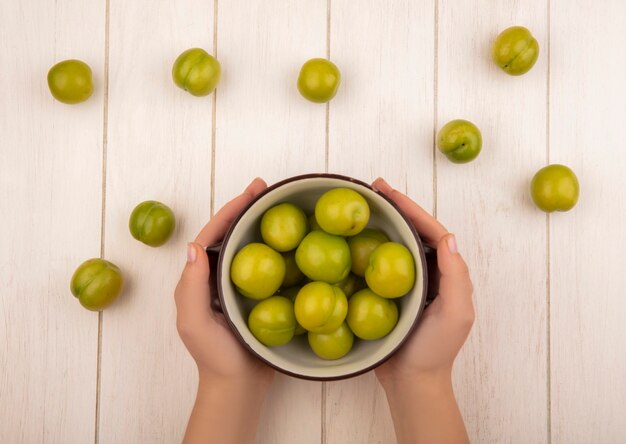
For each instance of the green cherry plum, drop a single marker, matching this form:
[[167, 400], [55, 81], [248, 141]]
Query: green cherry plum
[[351, 284], [272, 321], [152, 223], [324, 257], [197, 72], [257, 271], [291, 294], [319, 80], [70, 81], [283, 226], [555, 188], [97, 283], [362, 245], [342, 211], [320, 307], [371, 316], [391, 271], [332, 345], [313, 225], [293, 275], [515, 50], [460, 141]]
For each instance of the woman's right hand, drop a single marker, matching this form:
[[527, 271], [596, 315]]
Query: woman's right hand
[[446, 323], [418, 378]]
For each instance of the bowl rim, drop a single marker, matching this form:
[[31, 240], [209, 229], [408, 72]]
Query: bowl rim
[[234, 328]]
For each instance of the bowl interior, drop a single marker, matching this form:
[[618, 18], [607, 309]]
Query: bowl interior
[[296, 357]]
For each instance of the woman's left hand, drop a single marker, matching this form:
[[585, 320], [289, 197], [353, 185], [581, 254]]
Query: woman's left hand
[[205, 332]]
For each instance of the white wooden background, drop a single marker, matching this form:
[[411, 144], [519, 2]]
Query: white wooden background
[[546, 361]]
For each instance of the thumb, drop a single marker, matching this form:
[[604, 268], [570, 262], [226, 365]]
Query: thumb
[[192, 292], [455, 285]]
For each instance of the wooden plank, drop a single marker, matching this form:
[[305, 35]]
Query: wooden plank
[[381, 124], [159, 147], [500, 378], [588, 244], [264, 128], [50, 188]]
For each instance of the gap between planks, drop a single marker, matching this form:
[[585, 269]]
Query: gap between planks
[[213, 115], [548, 271], [435, 103], [105, 123], [327, 125]]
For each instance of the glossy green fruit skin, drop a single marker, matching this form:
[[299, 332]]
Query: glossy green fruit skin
[[351, 284], [391, 271], [342, 212], [257, 271], [284, 226], [362, 245], [70, 81], [293, 275], [291, 294], [371, 316], [272, 321], [515, 50], [460, 141], [332, 345], [197, 72], [97, 283], [152, 223], [320, 307], [555, 188], [319, 80], [324, 257]]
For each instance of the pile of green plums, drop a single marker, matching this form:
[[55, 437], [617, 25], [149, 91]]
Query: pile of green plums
[[327, 275]]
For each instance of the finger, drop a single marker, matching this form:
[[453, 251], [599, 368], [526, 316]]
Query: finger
[[455, 285], [192, 293], [427, 226], [215, 230]]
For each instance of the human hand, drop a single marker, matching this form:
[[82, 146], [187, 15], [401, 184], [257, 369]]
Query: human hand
[[445, 324], [232, 384], [205, 333]]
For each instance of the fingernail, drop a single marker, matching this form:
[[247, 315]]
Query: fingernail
[[452, 247], [248, 188], [191, 253], [382, 185], [253, 180]]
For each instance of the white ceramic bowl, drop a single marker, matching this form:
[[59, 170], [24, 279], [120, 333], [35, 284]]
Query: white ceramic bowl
[[296, 358]]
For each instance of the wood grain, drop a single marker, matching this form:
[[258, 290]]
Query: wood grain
[[500, 377], [50, 222], [265, 128], [159, 147], [381, 124], [588, 244], [547, 357]]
